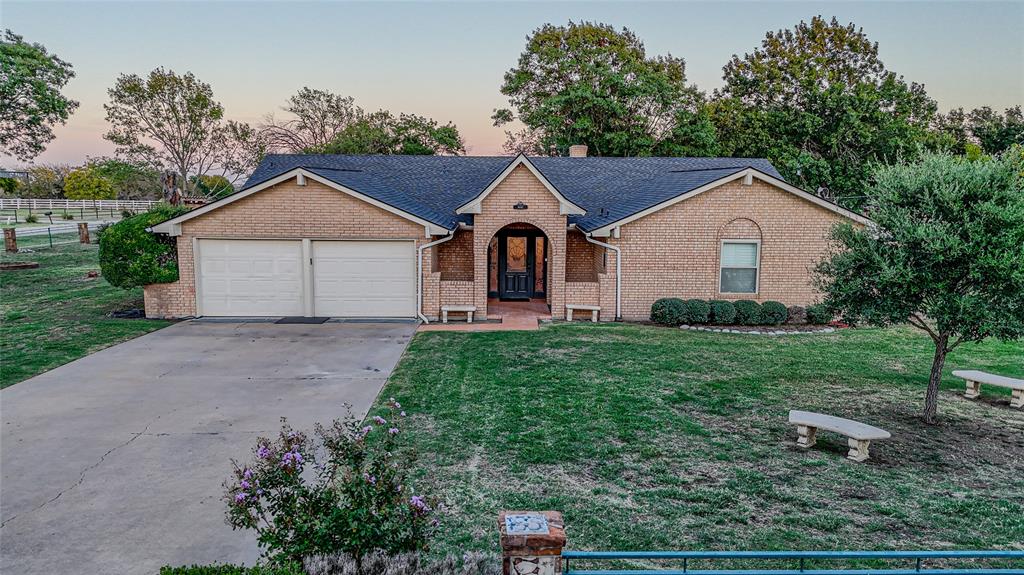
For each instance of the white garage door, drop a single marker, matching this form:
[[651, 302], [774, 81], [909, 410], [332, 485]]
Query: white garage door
[[250, 277], [364, 279]]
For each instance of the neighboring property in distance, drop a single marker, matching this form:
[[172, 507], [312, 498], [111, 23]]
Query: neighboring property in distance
[[344, 236]]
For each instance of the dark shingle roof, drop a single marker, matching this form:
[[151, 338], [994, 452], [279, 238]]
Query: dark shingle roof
[[433, 187]]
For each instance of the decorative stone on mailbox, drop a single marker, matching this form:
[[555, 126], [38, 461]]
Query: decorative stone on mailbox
[[531, 542]]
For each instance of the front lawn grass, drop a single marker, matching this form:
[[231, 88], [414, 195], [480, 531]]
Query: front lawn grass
[[651, 438], [55, 314]]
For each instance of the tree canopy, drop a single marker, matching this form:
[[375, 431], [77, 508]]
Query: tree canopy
[[172, 120], [984, 128], [31, 102], [87, 183], [326, 123], [591, 84], [819, 103], [943, 253]]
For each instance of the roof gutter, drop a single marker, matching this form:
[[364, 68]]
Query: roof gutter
[[419, 273], [618, 271]]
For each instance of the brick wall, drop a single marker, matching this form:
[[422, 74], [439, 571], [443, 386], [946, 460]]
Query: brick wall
[[455, 257], [675, 252], [583, 259], [326, 213]]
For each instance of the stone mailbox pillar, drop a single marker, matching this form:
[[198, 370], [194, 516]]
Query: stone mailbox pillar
[[531, 542], [83, 233], [10, 240]]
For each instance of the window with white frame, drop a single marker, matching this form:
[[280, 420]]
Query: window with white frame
[[739, 266]]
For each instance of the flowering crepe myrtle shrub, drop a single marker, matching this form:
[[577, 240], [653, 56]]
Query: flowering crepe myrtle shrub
[[346, 490]]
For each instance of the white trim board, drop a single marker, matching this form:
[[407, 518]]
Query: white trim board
[[172, 226], [565, 207], [747, 175]]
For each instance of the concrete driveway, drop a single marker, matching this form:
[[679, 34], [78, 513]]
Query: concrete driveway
[[115, 463]]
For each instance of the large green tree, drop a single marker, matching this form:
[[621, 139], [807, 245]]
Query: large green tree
[[87, 183], [943, 253], [819, 103], [131, 180], [591, 84], [164, 119], [384, 133], [982, 128], [31, 102]]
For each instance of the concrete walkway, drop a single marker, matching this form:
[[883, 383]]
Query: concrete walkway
[[115, 463]]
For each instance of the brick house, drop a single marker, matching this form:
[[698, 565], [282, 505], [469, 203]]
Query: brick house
[[403, 236]]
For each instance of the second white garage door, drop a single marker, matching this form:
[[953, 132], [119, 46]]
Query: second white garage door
[[364, 278]]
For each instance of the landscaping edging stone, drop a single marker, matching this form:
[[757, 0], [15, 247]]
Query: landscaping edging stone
[[827, 329]]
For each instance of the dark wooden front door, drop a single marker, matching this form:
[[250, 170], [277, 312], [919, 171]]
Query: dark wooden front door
[[521, 265]]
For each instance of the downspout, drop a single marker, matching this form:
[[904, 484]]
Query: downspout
[[419, 273], [618, 272]]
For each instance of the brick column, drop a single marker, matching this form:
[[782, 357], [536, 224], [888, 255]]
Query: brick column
[[531, 542], [83, 233], [10, 240]]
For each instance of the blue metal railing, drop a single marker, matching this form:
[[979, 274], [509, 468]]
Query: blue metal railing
[[800, 558]]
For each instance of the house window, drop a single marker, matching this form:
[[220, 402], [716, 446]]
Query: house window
[[739, 267]]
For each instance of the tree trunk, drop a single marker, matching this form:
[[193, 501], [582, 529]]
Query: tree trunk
[[931, 399]]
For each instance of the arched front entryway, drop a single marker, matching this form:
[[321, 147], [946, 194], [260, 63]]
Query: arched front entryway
[[518, 264]]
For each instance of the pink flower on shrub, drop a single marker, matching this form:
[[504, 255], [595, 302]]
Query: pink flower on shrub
[[366, 430], [418, 505], [263, 452], [393, 430], [240, 496], [247, 474], [379, 420], [402, 414]]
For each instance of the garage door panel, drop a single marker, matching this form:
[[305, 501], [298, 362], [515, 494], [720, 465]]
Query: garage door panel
[[251, 277], [364, 278]]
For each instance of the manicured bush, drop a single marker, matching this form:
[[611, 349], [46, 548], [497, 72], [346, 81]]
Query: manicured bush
[[696, 311], [668, 311], [377, 563], [773, 313], [796, 314], [722, 312], [818, 314], [748, 312], [346, 491], [132, 257], [31, 219]]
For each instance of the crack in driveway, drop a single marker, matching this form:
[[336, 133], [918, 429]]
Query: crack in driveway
[[84, 472]]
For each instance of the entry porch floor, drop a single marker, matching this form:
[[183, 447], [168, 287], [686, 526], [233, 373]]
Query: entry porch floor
[[501, 316]]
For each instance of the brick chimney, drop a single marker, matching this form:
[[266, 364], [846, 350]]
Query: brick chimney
[[578, 151]]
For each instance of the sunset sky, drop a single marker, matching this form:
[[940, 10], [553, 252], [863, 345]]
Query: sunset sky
[[446, 60]]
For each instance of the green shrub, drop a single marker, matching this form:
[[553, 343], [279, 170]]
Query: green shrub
[[67, 216], [722, 312], [126, 213], [773, 313], [31, 219], [818, 314], [290, 569], [668, 311], [696, 311], [8, 185], [748, 312], [796, 314], [131, 257]]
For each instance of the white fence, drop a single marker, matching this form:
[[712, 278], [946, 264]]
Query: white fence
[[58, 229], [65, 204]]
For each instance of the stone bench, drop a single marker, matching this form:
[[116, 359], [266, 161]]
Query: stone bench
[[860, 434], [975, 378], [571, 307], [466, 309]]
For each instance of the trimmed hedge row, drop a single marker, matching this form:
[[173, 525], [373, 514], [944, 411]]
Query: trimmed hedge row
[[674, 311]]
